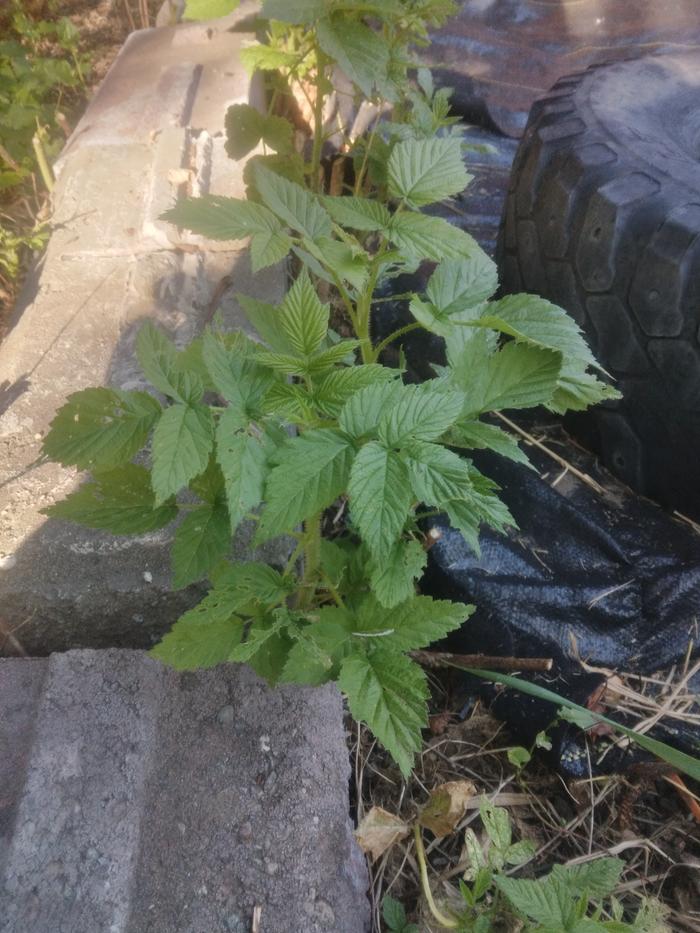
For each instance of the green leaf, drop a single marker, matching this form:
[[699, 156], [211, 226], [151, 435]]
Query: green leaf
[[422, 171], [415, 623], [544, 900], [357, 213], [303, 318], [324, 360], [362, 412], [518, 756], [537, 321], [267, 58], [221, 218], [463, 283], [265, 319], [448, 326], [246, 127], [245, 588], [497, 825], [209, 9], [388, 692], [119, 500], [198, 643], [585, 718], [334, 389], [359, 51], [243, 462], [294, 205], [437, 475], [597, 878], [299, 12], [290, 401], [236, 376], [157, 357], [201, 540], [422, 412], [182, 442], [380, 498], [476, 435], [316, 655], [423, 237], [393, 576], [268, 248], [101, 428], [518, 376], [577, 390], [350, 264], [311, 472]]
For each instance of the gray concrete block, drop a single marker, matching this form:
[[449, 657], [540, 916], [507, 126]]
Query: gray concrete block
[[109, 266], [157, 802]]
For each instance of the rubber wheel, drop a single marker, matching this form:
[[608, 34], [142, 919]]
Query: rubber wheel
[[603, 218]]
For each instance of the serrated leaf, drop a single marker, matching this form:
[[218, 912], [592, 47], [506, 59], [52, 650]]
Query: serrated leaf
[[120, 501], [221, 218], [349, 264], [299, 12], [198, 643], [393, 576], [423, 171], [577, 390], [449, 327], [415, 623], [357, 213], [361, 54], [319, 648], [534, 320], [312, 471], [268, 248], [290, 401], [423, 237], [267, 58], [517, 376], [334, 389], [388, 692], [394, 915], [362, 412], [422, 412], [101, 428], [597, 878], [243, 462], [157, 357], [437, 475], [182, 442], [463, 283], [236, 377], [544, 900], [246, 126], [380, 497], [303, 318], [265, 319], [324, 360], [497, 825], [476, 435], [201, 540], [297, 207]]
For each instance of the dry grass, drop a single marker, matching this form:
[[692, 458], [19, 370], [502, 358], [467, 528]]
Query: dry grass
[[639, 816]]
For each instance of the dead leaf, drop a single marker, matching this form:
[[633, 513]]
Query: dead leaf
[[446, 807], [379, 831]]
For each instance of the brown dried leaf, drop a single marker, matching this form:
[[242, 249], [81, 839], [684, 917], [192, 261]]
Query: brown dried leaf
[[446, 807], [379, 831]]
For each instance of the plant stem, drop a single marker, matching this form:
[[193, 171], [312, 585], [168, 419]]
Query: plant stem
[[444, 921], [318, 123], [406, 329], [42, 161], [312, 558]]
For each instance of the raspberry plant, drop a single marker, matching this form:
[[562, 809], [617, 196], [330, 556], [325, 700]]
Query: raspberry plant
[[281, 430]]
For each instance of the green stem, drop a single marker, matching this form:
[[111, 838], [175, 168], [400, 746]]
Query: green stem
[[448, 922], [406, 329], [42, 161], [318, 123], [312, 559]]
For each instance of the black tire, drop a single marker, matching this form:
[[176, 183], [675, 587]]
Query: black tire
[[603, 218]]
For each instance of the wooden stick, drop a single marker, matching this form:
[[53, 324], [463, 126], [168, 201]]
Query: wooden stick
[[584, 477], [447, 659], [132, 24]]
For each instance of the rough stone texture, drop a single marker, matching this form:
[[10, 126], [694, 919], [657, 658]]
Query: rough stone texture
[[153, 130], [157, 802]]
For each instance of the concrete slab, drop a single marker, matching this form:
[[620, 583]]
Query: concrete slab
[[110, 265], [156, 802]]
